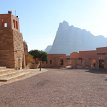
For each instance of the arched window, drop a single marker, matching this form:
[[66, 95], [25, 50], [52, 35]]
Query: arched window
[[14, 23], [5, 24]]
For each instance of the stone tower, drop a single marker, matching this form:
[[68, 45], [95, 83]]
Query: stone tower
[[11, 42]]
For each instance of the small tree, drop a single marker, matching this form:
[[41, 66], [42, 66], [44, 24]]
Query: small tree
[[40, 55], [29, 59], [43, 56]]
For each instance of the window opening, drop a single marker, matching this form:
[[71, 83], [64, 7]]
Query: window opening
[[5, 24]]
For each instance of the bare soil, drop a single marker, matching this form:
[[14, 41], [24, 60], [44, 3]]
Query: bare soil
[[57, 88]]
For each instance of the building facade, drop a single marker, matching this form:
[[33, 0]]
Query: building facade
[[90, 59], [12, 53], [102, 57], [55, 61]]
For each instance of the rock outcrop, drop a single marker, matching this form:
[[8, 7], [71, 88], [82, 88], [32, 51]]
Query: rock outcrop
[[73, 39]]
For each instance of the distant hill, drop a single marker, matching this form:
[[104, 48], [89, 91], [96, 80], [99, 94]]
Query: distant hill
[[73, 39]]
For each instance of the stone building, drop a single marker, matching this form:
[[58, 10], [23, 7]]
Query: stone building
[[55, 61], [101, 57], [90, 59], [75, 60], [12, 53], [94, 59], [84, 59]]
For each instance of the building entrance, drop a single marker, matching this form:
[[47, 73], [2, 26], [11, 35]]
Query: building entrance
[[61, 62], [101, 63]]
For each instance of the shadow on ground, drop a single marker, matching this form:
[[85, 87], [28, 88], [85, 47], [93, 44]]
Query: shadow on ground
[[97, 71]]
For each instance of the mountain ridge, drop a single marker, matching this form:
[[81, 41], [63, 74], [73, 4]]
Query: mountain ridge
[[70, 39]]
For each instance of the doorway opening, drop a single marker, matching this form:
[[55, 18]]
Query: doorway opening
[[61, 62], [101, 63]]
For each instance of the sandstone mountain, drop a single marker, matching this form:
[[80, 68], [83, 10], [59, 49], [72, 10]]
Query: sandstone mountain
[[48, 48], [72, 39]]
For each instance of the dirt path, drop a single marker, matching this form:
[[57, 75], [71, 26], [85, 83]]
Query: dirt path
[[57, 88]]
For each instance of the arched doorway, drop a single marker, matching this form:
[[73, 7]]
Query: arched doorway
[[93, 63], [101, 63], [61, 62]]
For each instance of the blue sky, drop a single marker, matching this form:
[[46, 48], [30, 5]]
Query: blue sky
[[39, 19]]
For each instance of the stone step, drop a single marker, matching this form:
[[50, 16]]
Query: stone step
[[14, 75], [2, 67], [9, 73], [6, 71]]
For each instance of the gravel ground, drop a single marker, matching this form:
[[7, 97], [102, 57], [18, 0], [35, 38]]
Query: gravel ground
[[57, 88]]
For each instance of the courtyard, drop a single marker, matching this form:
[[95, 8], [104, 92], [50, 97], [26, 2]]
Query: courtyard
[[57, 88]]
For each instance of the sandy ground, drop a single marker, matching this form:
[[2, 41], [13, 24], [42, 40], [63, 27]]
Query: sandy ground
[[31, 72], [57, 88]]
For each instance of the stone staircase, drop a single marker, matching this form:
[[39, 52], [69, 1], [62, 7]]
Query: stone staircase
[[8, 74]]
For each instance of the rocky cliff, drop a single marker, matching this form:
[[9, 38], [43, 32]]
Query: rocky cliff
[[72, 39]]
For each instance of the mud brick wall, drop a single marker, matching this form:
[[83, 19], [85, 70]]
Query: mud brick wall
[[11, 49], [6, 48], [12, 53]]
